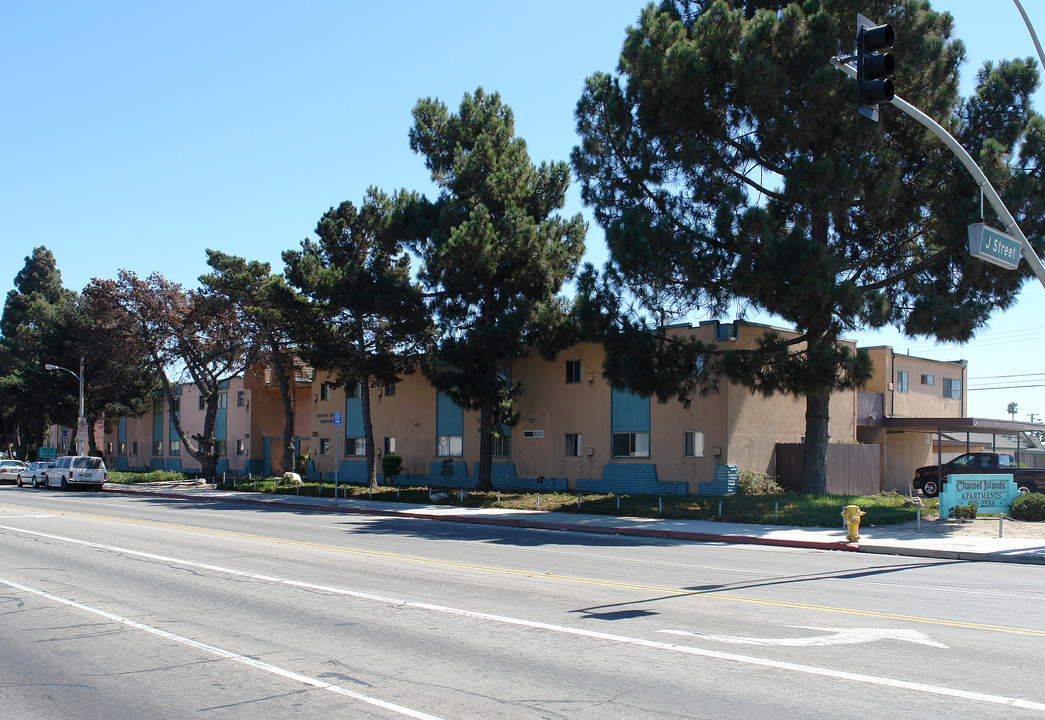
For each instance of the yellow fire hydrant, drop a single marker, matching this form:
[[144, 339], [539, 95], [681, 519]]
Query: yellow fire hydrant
[[852, 515]]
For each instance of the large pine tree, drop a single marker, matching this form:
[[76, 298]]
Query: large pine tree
[[727, 163], [495, 254], [360, 314], [36, 315]]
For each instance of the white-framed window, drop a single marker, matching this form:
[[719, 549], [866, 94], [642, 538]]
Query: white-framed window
[[449, 446], [901, 381], [693, 443], [324, 446], [241, 446], [630, 444], [223, 400], [355, 446], [174, 448], [324, 391], [573, 371], [502, 445], [390, 445], [928, 380], [241, 398], [157, 447], [952, 388], [390, 389], [573, 444]]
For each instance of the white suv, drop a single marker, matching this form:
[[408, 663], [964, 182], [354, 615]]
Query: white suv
[[76, 470]]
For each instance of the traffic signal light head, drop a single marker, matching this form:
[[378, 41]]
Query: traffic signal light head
[[874, 68]]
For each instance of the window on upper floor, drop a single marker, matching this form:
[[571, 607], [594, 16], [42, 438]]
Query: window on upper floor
[[928, 380], [573, 371], [352, 389], [952, 388], [324, 391], [241, 398], [901, 381]]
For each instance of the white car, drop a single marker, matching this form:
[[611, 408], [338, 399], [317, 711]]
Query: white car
[[9, 470], [70, 470], [34, 474]]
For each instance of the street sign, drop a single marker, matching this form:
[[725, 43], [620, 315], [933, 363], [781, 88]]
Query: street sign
[[994, 246], [337, 418], [46, 453]]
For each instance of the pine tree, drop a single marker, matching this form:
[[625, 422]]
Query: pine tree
[[35, 316], [726, 163], [258, 298], [360, 314], [494, 255]]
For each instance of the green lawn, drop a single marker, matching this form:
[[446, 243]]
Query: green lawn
[[767, 509]]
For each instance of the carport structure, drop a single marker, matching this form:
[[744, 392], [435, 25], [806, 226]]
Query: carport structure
[[968, 425]]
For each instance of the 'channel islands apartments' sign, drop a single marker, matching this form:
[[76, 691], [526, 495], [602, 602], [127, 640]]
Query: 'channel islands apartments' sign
[[990, 493]]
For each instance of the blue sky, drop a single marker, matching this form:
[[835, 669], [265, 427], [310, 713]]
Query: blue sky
[[136, 135]]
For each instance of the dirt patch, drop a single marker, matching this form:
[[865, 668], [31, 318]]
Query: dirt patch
[[980, 527]]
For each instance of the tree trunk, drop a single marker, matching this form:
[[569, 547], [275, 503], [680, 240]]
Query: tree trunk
[[814, 465], [368, 431], [288, 413], [484, 479]]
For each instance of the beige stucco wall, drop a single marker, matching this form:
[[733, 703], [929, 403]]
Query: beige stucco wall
[[905, 452]]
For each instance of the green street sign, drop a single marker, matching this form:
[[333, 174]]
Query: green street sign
[[994, 246], [46, 453]]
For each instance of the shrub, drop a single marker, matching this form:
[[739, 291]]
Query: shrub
[[392, 467], [751, 482], [1029, 506], [964, 512]]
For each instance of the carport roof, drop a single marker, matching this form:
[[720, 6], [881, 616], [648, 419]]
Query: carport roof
[[960, 424]]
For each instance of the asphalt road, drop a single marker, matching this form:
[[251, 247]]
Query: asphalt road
[[130, 607]]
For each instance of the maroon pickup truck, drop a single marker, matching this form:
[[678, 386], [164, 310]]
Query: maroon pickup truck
[[927, 479]]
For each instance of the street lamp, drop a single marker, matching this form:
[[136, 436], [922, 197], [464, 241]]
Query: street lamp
[[81, 421]]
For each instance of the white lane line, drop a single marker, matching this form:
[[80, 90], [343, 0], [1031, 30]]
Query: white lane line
[[227, 654], [33, 515], [640, 642]]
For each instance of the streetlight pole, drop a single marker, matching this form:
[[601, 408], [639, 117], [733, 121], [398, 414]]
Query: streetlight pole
[[81, 421]]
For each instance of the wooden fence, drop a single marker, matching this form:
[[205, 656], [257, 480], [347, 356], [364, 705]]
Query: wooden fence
[[851, 469]]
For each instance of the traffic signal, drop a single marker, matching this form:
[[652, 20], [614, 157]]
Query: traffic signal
[[874, 68]]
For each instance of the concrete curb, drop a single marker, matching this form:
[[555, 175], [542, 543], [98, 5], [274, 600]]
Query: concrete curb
[[868, 547], [513, 522]]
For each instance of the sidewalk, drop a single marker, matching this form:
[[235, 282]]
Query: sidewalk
[[938, 539]]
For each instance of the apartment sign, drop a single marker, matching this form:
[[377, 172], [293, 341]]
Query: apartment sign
[[994, 246], [989, 493]]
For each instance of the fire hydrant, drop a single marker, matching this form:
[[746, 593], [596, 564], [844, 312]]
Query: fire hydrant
[[852, 515]]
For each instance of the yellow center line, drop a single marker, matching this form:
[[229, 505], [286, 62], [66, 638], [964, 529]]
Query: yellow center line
[[673, 592]]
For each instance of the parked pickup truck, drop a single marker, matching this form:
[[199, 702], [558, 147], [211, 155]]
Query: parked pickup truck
[[927, 478]]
